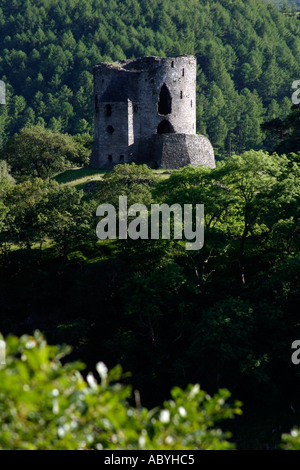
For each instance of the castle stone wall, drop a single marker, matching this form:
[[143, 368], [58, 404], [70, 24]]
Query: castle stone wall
[[176, 151], [145, 105]]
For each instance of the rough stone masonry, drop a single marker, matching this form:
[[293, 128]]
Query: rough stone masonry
[[145, 112]]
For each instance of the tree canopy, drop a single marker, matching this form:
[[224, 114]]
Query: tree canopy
[[224, 316]]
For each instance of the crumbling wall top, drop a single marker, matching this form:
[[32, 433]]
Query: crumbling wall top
[[141, 64]]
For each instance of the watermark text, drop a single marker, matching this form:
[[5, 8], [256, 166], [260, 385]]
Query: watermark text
[[135, 222], [2, 92]]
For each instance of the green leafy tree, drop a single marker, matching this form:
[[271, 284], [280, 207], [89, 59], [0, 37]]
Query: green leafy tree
[[5, 174], [44, 210], [131, 180], [287, 130], [41, 152], [291, 441], [260, 185]]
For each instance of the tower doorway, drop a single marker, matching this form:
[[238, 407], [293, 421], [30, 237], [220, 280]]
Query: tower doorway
[[165, 127]]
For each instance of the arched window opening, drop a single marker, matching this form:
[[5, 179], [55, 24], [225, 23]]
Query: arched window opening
[[110, 129], [108, 110], [165, 101], [165, 127], [110, 158]]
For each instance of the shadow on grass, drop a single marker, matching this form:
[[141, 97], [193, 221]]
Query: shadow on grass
[[74, 174]]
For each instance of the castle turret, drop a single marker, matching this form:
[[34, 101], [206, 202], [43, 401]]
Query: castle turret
[[145, 111]]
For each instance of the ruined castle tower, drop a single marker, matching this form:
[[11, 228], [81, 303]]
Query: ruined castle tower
[[145, 112]]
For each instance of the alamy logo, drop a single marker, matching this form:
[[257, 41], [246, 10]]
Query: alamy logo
[[296, 94], [154, 226], [2, 352], [2, 92], [296, 354]]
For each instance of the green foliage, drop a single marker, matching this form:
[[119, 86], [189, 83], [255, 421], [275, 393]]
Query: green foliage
[[5, 175], [244, 196], [291, 441], [38, 210], [129, 174], [40, 152], [287, 131], [131, 180], [224, 316], [45, 405]]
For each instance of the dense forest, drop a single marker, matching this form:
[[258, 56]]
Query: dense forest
[[248, 56], [224, 317]]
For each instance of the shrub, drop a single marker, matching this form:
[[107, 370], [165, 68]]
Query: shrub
[[47, 405]]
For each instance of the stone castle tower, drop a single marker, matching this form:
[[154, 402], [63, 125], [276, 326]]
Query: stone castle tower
[[145, 112]]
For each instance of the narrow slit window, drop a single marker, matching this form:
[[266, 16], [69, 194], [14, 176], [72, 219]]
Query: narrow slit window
[[172, 64], [110, 129], [181, 95], [121, 158], [108, 110], [96, 104], [183, 72], [191, 103]]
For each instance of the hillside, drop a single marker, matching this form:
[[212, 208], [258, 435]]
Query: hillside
[[248, 55]]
